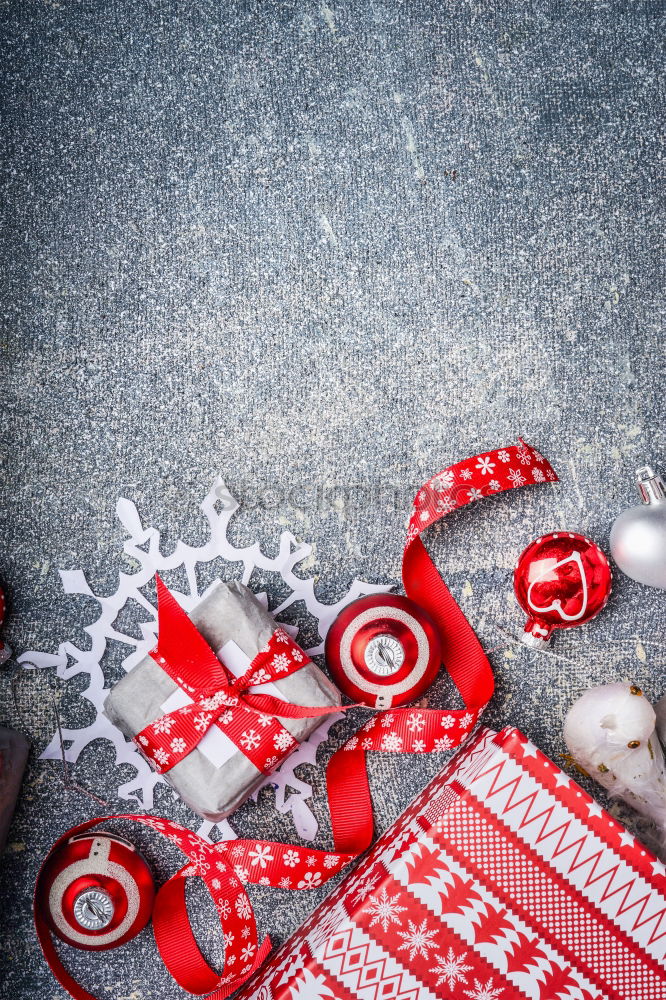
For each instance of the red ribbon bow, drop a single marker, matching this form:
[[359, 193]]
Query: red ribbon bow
[[220, 698]]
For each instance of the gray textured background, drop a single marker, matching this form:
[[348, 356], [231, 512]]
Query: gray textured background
[[319, 246]]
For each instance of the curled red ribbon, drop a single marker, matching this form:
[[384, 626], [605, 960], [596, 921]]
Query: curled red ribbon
[[405, 730]]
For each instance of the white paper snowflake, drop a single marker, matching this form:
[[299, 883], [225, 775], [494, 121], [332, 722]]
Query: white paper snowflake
[[143, 549]]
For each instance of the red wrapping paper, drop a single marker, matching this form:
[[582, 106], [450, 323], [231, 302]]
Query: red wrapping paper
[[502, 881]]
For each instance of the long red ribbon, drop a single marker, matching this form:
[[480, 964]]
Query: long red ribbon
[[226, 866]]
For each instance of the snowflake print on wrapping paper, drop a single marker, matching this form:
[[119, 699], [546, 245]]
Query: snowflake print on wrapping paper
[[250, 739], [163, 725], [260, 856], [487, 992], [280, 662], [485, 466], [415, 723], [516, 478], [466, 474], [201, 722], [392, 742], [417, 940], [282, 741], [443, 481], [365, 887], [310, 880], [178, 744], [452, 969], [385, 909], [504, 456]]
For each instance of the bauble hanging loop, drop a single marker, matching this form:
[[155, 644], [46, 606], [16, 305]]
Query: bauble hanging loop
[[561, 580], [638, 536]]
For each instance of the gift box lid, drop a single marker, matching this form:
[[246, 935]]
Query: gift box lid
[[502, 880]]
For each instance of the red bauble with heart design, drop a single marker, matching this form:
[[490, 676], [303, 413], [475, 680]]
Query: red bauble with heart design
[[561, 580]]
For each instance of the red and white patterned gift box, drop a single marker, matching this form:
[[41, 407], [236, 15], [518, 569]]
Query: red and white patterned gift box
[[502, 880]]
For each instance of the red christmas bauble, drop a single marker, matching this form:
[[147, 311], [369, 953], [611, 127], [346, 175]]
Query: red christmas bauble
[[95, 891], [383, 650], [561, 580]]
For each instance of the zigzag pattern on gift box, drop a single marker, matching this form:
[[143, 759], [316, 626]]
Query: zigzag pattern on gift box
[[485, 923], [572, 849], [494, 855], [368, 971]]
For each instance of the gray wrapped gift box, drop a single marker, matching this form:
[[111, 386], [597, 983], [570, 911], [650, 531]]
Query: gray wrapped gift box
[[229, 614]]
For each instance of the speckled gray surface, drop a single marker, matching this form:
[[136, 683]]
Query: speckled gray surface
[[324, 250]]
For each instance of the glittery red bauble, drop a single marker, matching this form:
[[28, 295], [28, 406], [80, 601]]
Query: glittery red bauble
[[383, 650], [95, 891], [560, 580]]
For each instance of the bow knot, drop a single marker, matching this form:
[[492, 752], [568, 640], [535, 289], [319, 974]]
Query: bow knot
[[249, 718]]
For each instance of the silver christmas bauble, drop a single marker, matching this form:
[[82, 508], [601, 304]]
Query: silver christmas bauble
[[638, 536]]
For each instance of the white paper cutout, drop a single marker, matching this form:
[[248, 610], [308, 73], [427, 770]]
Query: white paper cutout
[[143, 547]]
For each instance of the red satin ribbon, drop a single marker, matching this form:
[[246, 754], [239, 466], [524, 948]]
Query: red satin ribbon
[[227, 865]]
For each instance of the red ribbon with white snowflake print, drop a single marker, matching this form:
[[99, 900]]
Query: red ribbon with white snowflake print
[[218, 697], [406, 730], [227, 866]]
